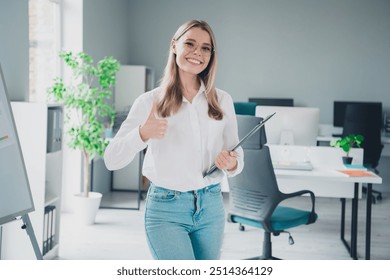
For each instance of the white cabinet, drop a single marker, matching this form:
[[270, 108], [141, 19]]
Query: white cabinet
[[44, 171], [53, 182], [131, 81]]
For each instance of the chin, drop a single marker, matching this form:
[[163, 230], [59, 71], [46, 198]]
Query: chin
[[195, 70]]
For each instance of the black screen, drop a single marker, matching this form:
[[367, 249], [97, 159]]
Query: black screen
[[339, 108], [272, 101]]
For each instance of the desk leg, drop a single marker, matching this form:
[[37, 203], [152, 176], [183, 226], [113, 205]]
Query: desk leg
[[354, 222], [368, 221], [349, 246], [342, 226]]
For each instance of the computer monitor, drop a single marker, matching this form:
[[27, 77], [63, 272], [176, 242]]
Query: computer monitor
[[272, 101], [339, 108], [291, 125]]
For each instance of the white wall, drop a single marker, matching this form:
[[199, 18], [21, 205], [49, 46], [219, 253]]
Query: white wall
[[72, 40]]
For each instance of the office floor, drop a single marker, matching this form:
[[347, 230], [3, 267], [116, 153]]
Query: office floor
[[119, 234]]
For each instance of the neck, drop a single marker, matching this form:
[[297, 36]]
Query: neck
[[190, 85]]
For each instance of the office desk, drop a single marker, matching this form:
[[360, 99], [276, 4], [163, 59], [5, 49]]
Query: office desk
[[325, 181]]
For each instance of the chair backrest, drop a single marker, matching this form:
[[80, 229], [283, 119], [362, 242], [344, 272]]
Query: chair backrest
[[245, 124], [254, 193], [245, 108], [366, 120]]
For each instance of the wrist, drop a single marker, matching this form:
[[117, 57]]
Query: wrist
[[142, 135]]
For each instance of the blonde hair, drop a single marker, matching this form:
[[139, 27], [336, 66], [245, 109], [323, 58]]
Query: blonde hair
[[171, 89]]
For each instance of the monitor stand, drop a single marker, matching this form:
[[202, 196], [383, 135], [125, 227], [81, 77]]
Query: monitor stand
[[286, 137]]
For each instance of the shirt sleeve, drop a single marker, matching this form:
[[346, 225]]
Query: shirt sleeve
[[231, 136], [128, 142]]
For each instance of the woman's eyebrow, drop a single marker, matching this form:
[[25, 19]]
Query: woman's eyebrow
[[193, 40]]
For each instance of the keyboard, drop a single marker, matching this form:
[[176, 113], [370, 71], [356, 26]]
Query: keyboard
[[293, 165]]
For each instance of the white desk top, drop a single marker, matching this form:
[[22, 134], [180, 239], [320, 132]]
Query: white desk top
[[327, 175], [324, 180], [325, 160]]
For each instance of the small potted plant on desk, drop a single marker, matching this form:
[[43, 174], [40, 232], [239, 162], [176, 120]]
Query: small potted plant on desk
[[346, 143], [85, 98]]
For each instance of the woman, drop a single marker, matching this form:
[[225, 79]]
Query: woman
[[187, 125]]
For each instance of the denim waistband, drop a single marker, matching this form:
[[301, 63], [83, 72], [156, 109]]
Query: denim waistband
[[202, 190]]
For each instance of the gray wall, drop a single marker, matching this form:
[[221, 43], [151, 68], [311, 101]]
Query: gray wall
[[14, 47], [105, 25], [313, 51]]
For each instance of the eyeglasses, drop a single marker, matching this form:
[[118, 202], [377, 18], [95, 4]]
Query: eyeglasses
[[206, 50]]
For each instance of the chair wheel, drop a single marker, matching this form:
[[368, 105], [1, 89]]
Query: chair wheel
[[241, 228], [379, 197]]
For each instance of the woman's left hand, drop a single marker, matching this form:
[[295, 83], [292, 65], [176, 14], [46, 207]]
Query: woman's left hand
[[226, 160]]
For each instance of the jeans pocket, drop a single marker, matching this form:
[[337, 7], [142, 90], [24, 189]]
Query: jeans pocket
[[214, 189], [161, 195]]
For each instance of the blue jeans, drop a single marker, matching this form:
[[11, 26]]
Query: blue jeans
[[185, 225]]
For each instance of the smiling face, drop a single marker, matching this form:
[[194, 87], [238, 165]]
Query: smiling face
[[193, 51]]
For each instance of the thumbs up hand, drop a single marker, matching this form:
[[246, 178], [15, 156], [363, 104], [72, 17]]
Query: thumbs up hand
[[153, 128]]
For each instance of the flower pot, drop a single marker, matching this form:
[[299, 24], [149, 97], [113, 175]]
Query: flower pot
[[347, 160], [86, 208]]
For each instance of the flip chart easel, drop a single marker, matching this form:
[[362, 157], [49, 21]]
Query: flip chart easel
[[15, 194]]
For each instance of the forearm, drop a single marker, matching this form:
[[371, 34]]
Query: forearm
[[122, 149]]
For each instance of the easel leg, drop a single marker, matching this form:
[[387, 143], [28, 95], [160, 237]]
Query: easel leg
[[30, 232], [1, 238]]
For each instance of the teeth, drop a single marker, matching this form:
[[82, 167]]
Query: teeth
[[194, 61]]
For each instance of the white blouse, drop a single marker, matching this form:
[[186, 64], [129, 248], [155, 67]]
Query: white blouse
[[190, 146]]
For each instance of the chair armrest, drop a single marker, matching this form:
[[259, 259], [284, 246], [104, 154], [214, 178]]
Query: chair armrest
[[312, 217]]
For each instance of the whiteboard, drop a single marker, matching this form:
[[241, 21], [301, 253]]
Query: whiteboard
[[15, 194]]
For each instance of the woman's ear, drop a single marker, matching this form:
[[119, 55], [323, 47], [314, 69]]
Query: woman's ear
[[173, 46]]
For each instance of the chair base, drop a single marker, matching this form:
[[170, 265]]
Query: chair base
[[376, 198], [262, 258], [267, 249], [267, 246], [378, 194]]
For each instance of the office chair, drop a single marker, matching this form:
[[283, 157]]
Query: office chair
[[245, 108], [254, 196], [366, 119]]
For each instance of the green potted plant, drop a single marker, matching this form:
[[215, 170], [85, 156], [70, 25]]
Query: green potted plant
[[85, 99], [346, 143]]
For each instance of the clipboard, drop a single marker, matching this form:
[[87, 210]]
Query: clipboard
[[250, 133]]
